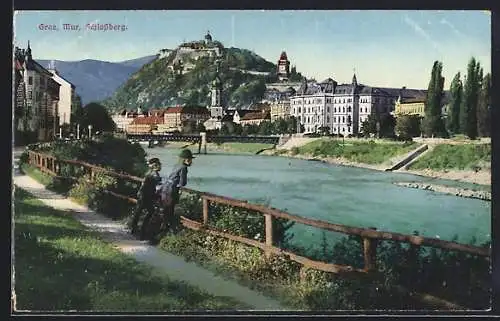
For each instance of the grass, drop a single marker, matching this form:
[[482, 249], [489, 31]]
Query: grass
[[250, 148], [460, 157], [356, 151], [60, 265]]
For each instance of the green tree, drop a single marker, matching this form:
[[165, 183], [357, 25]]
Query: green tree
[[280, 126], [387, 125], [483, 109], [76, 110], [468, 110], [265, 128], [291, 125], [456, 92], [369, 126], [433, 124], [224, 130], [408, 126], [96, 115]]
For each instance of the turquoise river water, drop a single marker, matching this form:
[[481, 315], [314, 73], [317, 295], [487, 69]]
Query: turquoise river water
[[338, 194]]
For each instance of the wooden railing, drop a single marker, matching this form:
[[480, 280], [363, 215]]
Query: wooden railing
[[370, 236]]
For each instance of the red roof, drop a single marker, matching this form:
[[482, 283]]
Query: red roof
[[19, 66], [283, 56], [151, 120], [255, 116], [187, 110]]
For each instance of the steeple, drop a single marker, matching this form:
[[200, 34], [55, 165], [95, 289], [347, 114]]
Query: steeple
[[28, 51], [354, 80]]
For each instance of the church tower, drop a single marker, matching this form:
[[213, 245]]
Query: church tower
[[216, 111], [283, 67]]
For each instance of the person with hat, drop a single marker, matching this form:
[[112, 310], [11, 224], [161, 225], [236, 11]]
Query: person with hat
[[146, 196], [176, 180]]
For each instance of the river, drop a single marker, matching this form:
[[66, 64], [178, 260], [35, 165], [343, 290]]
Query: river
[[343, 195]]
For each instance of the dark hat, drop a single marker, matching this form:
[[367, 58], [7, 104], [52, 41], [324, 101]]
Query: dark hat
[[154, 160], [186, 154]]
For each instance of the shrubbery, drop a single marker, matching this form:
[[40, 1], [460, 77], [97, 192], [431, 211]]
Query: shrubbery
[[448, 156], [361, 152]]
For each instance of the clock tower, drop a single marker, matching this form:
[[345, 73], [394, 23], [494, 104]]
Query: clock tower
[[283, 67]]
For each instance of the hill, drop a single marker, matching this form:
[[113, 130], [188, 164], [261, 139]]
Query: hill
[[243, 73], [96, 80]]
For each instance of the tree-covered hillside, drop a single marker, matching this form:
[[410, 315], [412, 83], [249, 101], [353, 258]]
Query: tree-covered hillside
[[158, 84]]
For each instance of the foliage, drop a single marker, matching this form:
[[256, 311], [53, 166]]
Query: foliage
[[155, 85], [448, 156], [456, 92], [483, 108], [408, 126], [96, 115], [468, 110], [433, 123], [60, 265], [361, 152], [456, 277]]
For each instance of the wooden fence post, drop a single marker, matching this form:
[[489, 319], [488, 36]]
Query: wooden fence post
[[269, 232], [370, 252], [205, 211]]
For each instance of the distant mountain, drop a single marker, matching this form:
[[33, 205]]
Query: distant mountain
[[139, 62], [96, 80]]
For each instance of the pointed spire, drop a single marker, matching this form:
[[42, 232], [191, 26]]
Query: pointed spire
[[354, 80]]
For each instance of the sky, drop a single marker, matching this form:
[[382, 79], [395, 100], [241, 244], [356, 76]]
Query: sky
[[388, 48]]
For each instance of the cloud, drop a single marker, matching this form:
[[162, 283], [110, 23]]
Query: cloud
[[452, 27], [421, 32]]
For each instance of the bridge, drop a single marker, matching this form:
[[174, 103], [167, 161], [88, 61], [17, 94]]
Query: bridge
[[202, 139]]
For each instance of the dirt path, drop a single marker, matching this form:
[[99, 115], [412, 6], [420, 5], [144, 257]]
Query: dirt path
[[174, 266]]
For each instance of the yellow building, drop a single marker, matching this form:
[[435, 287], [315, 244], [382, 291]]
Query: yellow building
[[280, 110], [410, 107]]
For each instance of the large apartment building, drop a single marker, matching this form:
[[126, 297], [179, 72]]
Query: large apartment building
[[342, 108]]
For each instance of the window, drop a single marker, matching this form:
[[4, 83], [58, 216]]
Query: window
[[300, 110], [327, 109], [30, 94], [343, 101], [343, 119], [327, 119], [335, 109], [30, 80], [343, 109], [334, 119], [349, 109]]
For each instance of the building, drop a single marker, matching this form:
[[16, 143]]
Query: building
[[283, 71], [254, 118], [144, 125], [175, 118], [38, 113], [342, 108], [280, 109], [412, 102], [240, 113], [66, 96], [124, 118]]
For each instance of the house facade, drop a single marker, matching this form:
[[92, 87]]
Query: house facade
[[254, 118], [175, 118], [37, 99], [343, 108], [66, 97]]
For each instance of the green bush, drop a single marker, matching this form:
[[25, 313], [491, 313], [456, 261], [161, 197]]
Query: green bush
[[462, 157], [361, 152]]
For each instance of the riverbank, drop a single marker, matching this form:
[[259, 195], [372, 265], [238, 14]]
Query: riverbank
[[482, 177], [461, 192], [478, 177]]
